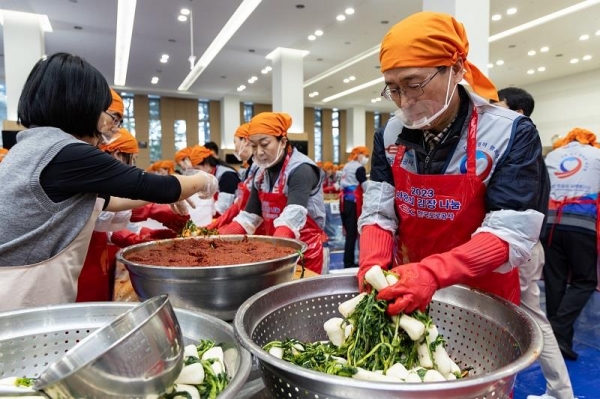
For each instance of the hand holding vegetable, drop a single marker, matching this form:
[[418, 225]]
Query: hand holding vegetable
[[413, 291], [210, 186]]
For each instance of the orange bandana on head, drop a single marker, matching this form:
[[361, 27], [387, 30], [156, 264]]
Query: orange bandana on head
[[199, 154], [272, 123], [166, 164], [356, 151], [3, 152], [117, 103], [243, 132], [584, 136], [123, 141], [430, 39], [183, 154]]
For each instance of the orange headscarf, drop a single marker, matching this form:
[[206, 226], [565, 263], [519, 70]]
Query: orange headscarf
[[431, 39], [328, 166], [117, 103], [243, 132], [167, 164], [584, 136], [123, 141], [182, 154], [199, 154], [3, 152], [272, 123], [356, 151]]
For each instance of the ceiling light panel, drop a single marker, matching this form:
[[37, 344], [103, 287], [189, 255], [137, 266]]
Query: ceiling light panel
[[125, 20]]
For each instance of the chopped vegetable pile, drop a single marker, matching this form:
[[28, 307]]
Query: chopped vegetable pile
[[191, 230], [368, 344]]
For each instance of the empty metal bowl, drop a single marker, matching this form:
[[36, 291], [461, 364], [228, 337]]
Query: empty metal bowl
[[137, 354], [216, 290]]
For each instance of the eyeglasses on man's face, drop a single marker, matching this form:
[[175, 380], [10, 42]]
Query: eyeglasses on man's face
[[118, 122], [408, 91]]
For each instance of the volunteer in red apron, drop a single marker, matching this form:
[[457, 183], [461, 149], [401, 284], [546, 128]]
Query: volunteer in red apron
[[570, 237], [205, 160], [331, 184], [354, 177], [162, 167], [286, 198], [55, 182], [454, 179], [243, 152]]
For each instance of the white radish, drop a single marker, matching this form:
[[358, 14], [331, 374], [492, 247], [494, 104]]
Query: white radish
[[190, 351], [348, 307], [412, 376], [296, 349], [191, 390], [413, 327], [231, 359], [216, 352], [397, 371], [217, 367], [442, 360], [391, 279], [192, 374], [433, 376], [454, 367], [432, 333], [376, 278], [424, 355], [450, 377], [10, 381], [366, 375], [348, 330], [277, 352], [339, 360], [335, 331]]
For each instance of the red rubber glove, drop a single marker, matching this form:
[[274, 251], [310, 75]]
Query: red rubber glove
[[125, 238], [376, 248], [232, 228], [161, 213], [484, 253], [284, 231], [225, 218]]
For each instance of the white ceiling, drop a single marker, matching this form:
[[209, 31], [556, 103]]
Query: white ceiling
[[279, 23]]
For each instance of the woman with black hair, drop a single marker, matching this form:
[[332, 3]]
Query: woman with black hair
[[55, 181], [203, 159]]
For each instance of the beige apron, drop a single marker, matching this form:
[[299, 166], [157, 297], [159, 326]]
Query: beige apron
[[53, 281]]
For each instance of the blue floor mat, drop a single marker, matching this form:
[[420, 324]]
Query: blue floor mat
[[585, 371]]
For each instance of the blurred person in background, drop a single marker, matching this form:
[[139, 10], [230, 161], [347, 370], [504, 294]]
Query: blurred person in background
[[3, 152], [554, 369], [330, 184], [162, 167], [570, 236], [286, 198], [456, 194], [213, 147], [352, 184], [56, 181]]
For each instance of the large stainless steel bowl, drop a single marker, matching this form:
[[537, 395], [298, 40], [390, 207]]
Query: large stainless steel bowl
[[32, 339], [216, 290], [137, 354], [493, 336]]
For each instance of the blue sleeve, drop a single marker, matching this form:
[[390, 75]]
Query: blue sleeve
[[381, 170], [521, 179]]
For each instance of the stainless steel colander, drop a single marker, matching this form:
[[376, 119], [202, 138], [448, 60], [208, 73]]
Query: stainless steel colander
[[491, 335]]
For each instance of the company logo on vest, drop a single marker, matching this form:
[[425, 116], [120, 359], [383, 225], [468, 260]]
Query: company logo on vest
[[568, 167], [484, 164]]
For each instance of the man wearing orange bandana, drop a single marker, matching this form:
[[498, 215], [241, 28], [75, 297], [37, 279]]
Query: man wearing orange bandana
[[286, 199], [456, 191]]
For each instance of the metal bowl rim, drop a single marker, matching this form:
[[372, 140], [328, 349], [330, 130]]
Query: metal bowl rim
[[526, 359], [128, 263]]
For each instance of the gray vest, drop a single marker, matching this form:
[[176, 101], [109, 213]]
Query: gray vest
[[349, 174], [32, 227]]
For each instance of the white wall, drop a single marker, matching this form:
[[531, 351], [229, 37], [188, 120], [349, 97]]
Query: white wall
[[565, 103]]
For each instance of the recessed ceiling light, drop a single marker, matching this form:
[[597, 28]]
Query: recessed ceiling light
[[154, 80], [166, 56], [499, 62], [598, 33], [346, 80], [268, 68], [182, 18], [312, 37], [530, 72], [185, 11], [511, 11], [352, 78], [531, 53], [164, 60], [490, 65], [349, 11], [373, 100], [264, 71], [586, 57], [541, 69], [316, 93], [340, 17], [318, 32], [496, 17], [584, 37], [241, 88], [574, 61], [544, 49]]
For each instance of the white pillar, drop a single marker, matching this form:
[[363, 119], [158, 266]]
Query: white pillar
[[230, 120], [23, 47], [475, 16], [356, 133], [288, 81]]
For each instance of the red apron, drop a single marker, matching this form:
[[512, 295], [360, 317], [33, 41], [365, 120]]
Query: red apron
[[358, 199], [272, 205], [96, 280], [440, 212]]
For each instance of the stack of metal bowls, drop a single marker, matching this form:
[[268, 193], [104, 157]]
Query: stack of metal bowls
[[217, 290]]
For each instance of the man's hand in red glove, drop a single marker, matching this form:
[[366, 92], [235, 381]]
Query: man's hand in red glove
[[413, 291], [125, 238], [376, 246], [161, 213]]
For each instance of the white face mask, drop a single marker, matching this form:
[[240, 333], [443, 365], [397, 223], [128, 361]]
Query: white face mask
[[364, 160], [238, 154], [277, 158], [415, 116]]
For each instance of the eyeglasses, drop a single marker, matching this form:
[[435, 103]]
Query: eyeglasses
[[409, 91], [118, 122]]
